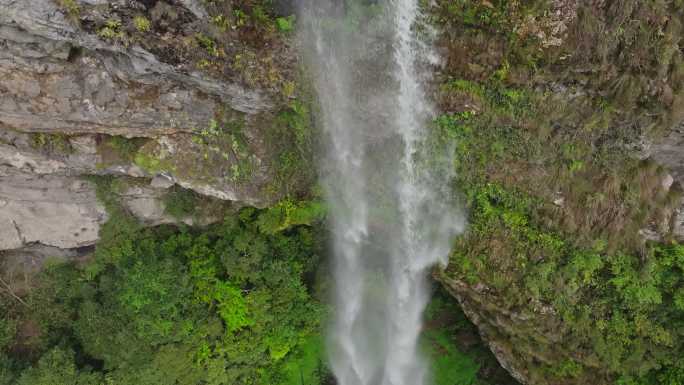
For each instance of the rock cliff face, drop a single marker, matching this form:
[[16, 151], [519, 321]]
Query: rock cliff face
[[568, 117], [129, 88]]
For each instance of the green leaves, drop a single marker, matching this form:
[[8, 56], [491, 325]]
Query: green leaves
[[231, 306], [8, 329], [57, 367], [288, 213], [626, 308], [285, 24], [163, 306]]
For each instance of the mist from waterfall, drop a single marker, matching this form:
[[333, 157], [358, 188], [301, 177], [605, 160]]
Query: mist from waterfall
[[391, 214]]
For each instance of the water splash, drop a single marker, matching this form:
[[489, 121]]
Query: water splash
[[391, 214]]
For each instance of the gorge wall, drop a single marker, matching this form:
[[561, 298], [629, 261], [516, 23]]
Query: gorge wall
[[565, 118], [157, 92]]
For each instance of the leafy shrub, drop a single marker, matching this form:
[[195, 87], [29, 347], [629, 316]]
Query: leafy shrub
[[450, 366], [71, 7], [289, 213], [8, 329], [622, 306], [162, 306], [116, 148], [142, 24], [111, 30], [51, 143], [57, 367], [285, 24], [180, 203]]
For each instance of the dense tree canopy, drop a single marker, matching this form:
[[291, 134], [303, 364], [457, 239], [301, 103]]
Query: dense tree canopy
[[226, 305]]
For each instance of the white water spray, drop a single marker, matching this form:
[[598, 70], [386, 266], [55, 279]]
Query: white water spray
[[390, 215]]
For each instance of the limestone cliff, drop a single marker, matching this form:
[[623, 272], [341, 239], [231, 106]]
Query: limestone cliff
[[166, 92]]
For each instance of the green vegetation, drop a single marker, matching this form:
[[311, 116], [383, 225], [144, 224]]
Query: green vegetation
[[285, 24], [55, 144], [541, 124], [209, 45], [292, 139], [258, 15], [118, 149], [454, 348], [141, 23], [227, 305], [554, 219], [249, 44], [289, 213], [180, 203], [71, 7], [111, 30], [304, 367], [624, 307], [152, 163], [224, 141], [451, 366]]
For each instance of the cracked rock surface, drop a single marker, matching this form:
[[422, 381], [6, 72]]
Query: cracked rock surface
[[59, 79]]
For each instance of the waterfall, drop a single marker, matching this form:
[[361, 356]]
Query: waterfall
[[391, 212]]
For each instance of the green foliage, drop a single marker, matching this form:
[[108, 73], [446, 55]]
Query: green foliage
[[285, 24], [142, 24], [258, 14], [161, 306], [151, 163], [57, 367], [288, 213], [513, 136], [8, 329], [180, 203], [292, 139], [568, 368], [452, 344], [51, 143], [556, 201], [623, 306], [111, 30], [71, 7], [223, 139], [303, 367], [231, 306], [114, 149], [449, 365], [208, 44], [7, 370]]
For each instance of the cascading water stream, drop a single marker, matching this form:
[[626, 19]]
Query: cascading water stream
[[390, 213]]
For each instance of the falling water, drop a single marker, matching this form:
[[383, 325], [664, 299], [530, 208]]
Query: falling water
[[391, 214]]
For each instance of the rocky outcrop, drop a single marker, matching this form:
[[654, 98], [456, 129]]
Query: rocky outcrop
[[68, 90], [669, 151], [46, 201], [568, 117], [51, 210]]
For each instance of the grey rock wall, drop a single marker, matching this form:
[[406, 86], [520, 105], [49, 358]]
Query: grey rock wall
[[57, 77]]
